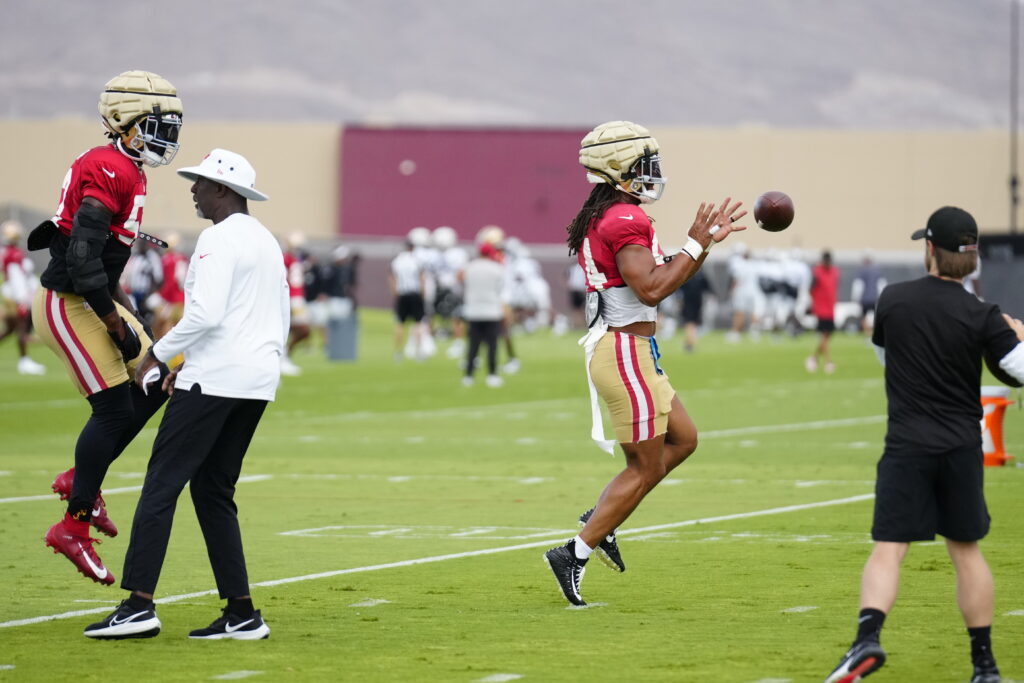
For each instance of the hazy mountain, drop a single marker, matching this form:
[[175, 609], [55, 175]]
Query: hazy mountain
[[829, 63]]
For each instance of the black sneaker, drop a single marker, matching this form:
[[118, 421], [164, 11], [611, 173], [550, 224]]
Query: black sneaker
[[607, 551], [568, 571], [126, 622], [986, 671], [233, 626], [863, 658]]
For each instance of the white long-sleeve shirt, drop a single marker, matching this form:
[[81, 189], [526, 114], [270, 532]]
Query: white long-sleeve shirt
[[235, 324]]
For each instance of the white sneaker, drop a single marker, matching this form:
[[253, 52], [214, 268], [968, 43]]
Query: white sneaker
[[511, 367], [811, 364], [289, 368], [457, 349], [830, 368], [467, 381], [27, 366], [494, 381], [732, 337]]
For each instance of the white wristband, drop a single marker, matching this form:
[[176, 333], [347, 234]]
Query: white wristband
[[693, 249]]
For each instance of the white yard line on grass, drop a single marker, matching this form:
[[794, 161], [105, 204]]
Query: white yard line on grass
[[458, 556], [245, 478], [711, 434]]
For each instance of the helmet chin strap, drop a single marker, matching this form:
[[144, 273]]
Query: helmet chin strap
[[124, 148]]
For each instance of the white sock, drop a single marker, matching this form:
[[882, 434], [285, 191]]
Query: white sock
[[582, 549]]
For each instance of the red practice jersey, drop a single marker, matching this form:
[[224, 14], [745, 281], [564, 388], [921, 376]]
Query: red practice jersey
[[621, 225], [175, 267], [824, 292], [112, 178], [11, 256], [296, 277]]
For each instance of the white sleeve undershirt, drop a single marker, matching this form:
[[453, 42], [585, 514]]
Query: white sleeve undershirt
[[880, 352], [1013, 362]]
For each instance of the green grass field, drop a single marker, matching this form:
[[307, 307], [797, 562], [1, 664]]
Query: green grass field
[[394, 524]]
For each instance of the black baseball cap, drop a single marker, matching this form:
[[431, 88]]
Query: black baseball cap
[[951, 229]]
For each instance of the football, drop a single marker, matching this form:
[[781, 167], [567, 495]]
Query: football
[[773, 211]]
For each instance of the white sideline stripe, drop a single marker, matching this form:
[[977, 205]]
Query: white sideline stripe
[[245, 478], [793, 427], [458, 556], [234, 675], [499, 678]]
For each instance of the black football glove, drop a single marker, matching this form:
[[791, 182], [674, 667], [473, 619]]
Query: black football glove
[[131, 345], [145, 326]]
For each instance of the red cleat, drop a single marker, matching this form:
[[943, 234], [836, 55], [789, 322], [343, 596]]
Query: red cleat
[[71, 538], [62, 487], [62, 484], [100, 520]]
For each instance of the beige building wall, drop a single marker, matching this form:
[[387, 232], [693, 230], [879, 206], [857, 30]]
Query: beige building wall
[[852, 189], [297, 165]]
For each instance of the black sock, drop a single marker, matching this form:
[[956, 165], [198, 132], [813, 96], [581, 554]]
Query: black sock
[[241, 607], [138, 602], [571, 545], [869, 624], [981, 644]]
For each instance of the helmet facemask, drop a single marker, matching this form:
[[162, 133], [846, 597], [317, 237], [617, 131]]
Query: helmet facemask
[[154, 137], [644, 180]]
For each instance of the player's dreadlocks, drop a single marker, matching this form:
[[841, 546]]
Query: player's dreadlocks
[[601, 197]]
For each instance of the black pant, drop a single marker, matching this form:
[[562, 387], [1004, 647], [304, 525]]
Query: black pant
[[483, 331], [202, 439], [118, 415]]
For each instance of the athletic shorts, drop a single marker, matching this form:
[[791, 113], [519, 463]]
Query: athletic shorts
[[66, 324], [299, 311], [826, 325], [918, 496], [636, 390], [410, 307]]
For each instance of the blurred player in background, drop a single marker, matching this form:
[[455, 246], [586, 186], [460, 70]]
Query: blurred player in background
[[407, 279], [451, 259], [931, 336], [576, 284], [300, 321], [17, 291], [142, 277], [824, 294], [171, 295], [627, 277], [82, 313], [427, 256], [747, 298], [691, 313], [868, 283], [495, 236], [528, 292], [484, 285]]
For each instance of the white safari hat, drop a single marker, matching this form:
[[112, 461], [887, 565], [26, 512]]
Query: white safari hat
[[229, 169]]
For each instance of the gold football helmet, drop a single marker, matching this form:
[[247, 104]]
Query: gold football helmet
[[624, 154], [142, 111]]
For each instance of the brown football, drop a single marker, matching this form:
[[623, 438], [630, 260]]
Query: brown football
[[773, 211]]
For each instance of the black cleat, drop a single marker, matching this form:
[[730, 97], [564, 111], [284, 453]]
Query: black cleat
[[863, 658], [568, 571], [986, 671], [607, 550], [234, 627], [126, 622]]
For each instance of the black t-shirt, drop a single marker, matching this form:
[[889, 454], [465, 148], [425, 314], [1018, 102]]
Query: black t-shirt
[[934, 333]]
